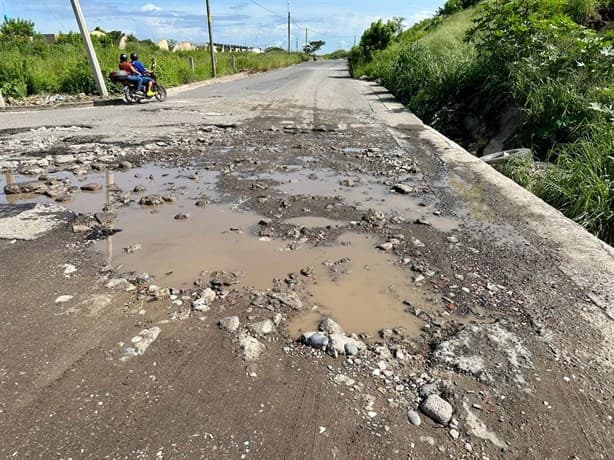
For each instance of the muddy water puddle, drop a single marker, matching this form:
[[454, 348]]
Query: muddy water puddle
[[352, 281], [360, 191], [366, 295], [154, 179]]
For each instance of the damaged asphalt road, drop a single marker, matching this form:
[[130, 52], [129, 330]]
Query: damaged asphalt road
[[288, 266]]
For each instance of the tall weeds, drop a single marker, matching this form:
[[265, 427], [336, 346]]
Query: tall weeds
[[28, 68]]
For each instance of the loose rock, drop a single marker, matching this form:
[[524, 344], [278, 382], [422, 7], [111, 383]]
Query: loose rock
[[414, 418], [403, 188], [329, 326], [263, 327], [437, 408], [93, 187], [250, 347], [151, 200], [230, 323]]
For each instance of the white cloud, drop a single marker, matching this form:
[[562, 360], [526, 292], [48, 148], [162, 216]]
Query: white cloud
[[149, 8]]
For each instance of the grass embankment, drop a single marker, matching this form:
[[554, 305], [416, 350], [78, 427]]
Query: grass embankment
[[34, 67], [550, 62]]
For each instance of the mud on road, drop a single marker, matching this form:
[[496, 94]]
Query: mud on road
[[290, 279]]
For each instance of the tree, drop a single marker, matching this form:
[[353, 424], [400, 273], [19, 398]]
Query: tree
[[377, 37], [313, 46], [17, 28], [399, 24]]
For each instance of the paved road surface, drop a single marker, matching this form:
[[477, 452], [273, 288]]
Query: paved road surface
[[508, 306]]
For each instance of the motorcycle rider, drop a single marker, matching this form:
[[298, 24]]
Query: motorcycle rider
[[133, 74], [144, 72]]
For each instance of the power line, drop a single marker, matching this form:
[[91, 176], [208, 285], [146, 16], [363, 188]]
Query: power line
[[267, 9]]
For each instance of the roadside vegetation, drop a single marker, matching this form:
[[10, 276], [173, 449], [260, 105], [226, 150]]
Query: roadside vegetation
[[30, 65], [498, 74]]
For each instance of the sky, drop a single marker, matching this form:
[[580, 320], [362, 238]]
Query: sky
[[253, 23]]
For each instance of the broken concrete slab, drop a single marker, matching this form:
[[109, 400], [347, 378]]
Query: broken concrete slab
[[29, 222]]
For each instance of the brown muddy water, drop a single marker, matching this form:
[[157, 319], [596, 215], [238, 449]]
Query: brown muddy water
[[361, 287], [357, 190]]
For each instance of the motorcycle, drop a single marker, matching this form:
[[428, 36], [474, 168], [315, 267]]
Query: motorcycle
[[130, 96]]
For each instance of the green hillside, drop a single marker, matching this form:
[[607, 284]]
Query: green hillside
[[508, 74]]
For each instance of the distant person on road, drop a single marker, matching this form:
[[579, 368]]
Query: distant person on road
[[144, 72], [133, 74]]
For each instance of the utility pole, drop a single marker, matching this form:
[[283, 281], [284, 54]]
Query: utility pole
[[213, 69], [89, 48], [306, 40], [289, 26]]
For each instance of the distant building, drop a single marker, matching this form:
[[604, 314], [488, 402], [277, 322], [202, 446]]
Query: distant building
[[183, 46], [50, 38]]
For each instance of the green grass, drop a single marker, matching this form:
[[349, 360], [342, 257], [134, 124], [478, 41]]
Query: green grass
[[28, 68], [582, 182], [532, 55]]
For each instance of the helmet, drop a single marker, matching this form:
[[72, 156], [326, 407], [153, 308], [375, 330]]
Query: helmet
[[134, 57], [123, 58]]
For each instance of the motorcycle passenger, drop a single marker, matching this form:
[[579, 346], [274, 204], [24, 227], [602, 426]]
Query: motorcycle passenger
[[144, 72], [134, 75]]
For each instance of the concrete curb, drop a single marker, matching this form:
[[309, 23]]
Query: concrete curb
[[585, 259], [119, 101]]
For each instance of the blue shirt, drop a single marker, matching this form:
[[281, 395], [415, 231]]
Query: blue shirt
[[138, 66]]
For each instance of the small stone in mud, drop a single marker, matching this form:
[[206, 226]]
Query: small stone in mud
[[403, 188], [133, 248], [340, 344], [263, 327], [63, 298], [315, 340], [414, 418], [289, 299], [330, 326], [200, 305], [421, 221], [93, 187], [151, 200], [208, 295], [182, 216], [385, 333], [25, 187], [351, 349], [202, 203], [139, 189], [64, 198], [251, 348], [429, 389], [219, 279], [169, 198], [385, 246], [417, 243], [230, 323], [307, 271], [120, 284], [125, 165], [437, 408]]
